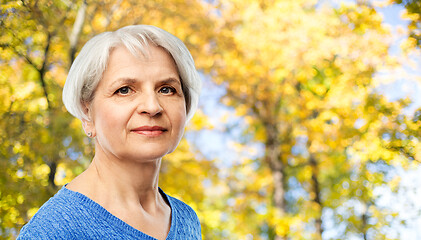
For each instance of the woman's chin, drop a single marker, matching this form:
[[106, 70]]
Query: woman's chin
[[144, 157]]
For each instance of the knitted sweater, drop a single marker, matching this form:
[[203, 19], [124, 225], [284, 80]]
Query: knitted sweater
[[72, 215]]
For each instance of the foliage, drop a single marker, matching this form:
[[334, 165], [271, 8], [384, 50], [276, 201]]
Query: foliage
[[305, 86], [413, 8], [299, 75], [38, 139], [42, 146]]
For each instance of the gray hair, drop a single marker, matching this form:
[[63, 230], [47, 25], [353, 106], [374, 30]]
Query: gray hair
[[89, 66]]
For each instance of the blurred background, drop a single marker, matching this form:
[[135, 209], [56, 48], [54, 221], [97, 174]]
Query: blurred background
[[309, 120]]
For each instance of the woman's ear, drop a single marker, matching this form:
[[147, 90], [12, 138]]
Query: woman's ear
[[88, 124]]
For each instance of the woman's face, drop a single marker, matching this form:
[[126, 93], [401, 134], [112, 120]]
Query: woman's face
[[138, 111]]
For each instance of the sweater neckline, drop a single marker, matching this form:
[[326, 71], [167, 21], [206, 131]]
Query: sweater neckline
[[107, 216]]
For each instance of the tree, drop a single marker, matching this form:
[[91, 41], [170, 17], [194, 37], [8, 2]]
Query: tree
[[301, 74], [37, 131], [42, 146]]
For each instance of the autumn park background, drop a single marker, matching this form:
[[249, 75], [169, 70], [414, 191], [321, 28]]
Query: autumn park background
[[303, 130]]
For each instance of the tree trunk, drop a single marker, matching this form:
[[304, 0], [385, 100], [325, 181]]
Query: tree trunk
[[273, 158], [76, 30], [364, 219], [51, 176], [316, 198]]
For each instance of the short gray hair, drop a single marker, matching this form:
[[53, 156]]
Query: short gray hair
[[89, 66]]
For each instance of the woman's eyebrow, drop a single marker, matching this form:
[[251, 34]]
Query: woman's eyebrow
[[123, 81], [131, 81], [170, 80]]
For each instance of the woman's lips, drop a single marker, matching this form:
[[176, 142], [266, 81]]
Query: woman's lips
[[151, 131]]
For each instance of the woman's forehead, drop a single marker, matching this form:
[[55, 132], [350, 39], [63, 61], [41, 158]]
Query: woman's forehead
[[123, 65]]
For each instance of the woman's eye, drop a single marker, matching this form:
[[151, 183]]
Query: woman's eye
[[167, 90], [123, 91]]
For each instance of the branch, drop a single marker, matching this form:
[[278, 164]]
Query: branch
[[403, 151], [26, 57], [110, 14], [77, 28], [43, 70], [38, 15]]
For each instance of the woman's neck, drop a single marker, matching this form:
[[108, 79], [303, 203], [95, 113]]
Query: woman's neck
[[128, 189], [112, 182]]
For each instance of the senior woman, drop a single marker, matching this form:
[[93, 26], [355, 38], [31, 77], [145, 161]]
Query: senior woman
[[134, 90]]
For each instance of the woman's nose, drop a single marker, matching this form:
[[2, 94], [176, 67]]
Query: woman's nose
[[149, 104]]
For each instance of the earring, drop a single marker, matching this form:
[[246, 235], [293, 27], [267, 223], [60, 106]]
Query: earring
[[89, 134]]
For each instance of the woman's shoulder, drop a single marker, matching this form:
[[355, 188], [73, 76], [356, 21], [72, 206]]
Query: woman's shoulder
[[59, 218], [50, 216], [184, 215], [179, 205], [182, 207]]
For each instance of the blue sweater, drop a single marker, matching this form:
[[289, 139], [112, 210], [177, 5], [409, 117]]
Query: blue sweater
[[72, 215]]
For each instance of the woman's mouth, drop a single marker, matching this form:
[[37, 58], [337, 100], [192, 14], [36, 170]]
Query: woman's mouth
[[150, 131]]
